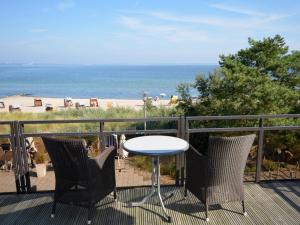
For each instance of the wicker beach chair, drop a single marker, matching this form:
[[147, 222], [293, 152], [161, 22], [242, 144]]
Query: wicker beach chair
[[80, 180], [38, 102], [2, 104], [218, 177], [94, 102]]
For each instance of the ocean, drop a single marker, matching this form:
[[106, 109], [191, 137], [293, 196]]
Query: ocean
[[120, 82]]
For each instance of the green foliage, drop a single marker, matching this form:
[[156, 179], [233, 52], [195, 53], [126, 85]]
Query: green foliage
[[269, 165], [40, 158], [185, 103], [116, 112], [168, 166], [261, 79]]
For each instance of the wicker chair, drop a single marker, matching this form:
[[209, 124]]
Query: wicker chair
[[80, 180], [218, 177]]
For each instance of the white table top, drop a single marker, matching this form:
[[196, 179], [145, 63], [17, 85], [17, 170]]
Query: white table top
[[156, 145]]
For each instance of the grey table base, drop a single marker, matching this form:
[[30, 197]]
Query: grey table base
[[155, 188]]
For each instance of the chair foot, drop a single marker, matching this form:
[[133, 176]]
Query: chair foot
[[206, 213], [52, 215], [169, 219], [115, 194], [185, 193], [89, 220], [243, 206]]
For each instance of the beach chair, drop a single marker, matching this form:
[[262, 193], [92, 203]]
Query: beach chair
[[80, 180], [48, 107], [14, 108], [109, 104], [79, 105], [68, 102], [173, 100], [94, 102], [38, 102], [2, 104]]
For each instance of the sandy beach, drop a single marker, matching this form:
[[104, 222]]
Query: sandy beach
[[26, 103]]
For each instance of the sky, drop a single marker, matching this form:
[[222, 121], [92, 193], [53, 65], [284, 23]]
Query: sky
[[139, 32]]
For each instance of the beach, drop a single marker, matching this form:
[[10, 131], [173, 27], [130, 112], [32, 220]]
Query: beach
[[26, 103]]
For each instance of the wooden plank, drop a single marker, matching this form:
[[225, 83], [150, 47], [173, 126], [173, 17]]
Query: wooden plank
[[263, 203]]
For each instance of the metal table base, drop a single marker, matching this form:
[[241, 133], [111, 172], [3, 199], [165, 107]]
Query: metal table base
[[155, 189]]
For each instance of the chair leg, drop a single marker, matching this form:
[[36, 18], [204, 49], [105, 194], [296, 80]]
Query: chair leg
[[89, 221], [53, 209], [244, 211], [115, 194], [185, 192], [206, 213]]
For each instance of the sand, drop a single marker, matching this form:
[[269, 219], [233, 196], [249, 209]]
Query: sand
[[26, 103]]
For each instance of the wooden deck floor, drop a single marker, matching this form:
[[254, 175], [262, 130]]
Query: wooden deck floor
[[266, 203]]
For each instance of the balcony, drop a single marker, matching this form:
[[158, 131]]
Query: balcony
[[266, 203], [272, 196]]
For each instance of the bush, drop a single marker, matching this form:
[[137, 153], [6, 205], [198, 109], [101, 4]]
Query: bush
[[269, 165], [40, 158]]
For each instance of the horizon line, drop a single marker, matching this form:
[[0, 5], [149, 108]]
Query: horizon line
[[108, 64]]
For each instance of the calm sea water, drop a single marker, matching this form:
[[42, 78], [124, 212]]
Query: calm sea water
[[96, 81]]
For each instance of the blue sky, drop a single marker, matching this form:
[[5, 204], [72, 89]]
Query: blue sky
[[139, 32]]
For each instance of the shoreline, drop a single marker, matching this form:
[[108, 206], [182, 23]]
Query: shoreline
[[26, 103]]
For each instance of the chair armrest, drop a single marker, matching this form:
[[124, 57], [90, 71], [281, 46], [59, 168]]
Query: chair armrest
[[196, 166], [100, 159]]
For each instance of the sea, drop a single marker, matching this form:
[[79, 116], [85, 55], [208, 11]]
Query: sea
[[101, 81]]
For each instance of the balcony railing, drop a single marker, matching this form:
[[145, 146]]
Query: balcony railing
[[183, 127]]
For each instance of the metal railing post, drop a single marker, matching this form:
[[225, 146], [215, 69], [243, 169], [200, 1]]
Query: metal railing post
[[21, 181], [259, 151], [101, 136], [178, 163], [182, 156], [25, 159], [16, 155]]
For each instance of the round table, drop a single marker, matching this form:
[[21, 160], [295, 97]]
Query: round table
[[156, 146]]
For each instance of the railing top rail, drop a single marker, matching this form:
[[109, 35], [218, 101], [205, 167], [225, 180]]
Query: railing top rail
[[38, 134], [150, 119], [221, 129], [5, 135], [8, 122], [237, 117]]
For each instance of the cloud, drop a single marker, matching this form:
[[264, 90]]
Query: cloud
[[137, 24], [38, 30], [168, 32], [64, 5], [255, 20], [236, 10]]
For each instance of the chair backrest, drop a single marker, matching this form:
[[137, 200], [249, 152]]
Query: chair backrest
[[69, 158], [227, 158]]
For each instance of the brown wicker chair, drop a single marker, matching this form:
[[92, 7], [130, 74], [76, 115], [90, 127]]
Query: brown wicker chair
[[218, 177], [80, 180]]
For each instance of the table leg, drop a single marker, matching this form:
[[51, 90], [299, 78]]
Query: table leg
[[155, 183], [153, 187], [158, 189]]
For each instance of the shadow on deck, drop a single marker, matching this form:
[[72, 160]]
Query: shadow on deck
[[266, 203]]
